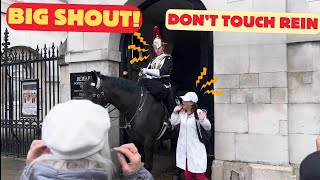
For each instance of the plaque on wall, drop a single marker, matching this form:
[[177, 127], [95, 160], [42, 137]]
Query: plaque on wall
[[76, 82], [29, 98]]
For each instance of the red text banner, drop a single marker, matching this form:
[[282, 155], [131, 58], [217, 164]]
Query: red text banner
[[229, 21], [74, 17]]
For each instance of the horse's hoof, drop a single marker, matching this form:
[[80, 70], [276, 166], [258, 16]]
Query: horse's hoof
[[177, 178]]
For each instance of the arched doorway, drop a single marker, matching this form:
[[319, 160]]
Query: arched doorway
[[191, 51]]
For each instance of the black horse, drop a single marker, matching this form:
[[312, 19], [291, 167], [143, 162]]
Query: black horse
[[145, 116]]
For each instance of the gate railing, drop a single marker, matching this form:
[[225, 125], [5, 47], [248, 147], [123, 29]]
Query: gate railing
[[29, 89]]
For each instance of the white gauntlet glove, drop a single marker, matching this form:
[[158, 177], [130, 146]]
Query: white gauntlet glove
[[144, 70]]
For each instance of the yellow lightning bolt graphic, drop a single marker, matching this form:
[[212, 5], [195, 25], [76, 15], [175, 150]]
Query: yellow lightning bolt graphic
[[203, 73], [139, 59], [214, 92], [138, 35], [208, 83], [137, 48]]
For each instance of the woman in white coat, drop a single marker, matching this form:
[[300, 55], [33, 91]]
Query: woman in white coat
[[191, 154]]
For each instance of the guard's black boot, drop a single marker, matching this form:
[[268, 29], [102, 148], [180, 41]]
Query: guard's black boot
[[171, 103]]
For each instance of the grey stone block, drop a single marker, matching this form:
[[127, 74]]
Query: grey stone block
[[307, 79], [267, 172], [224, 146], [283, 127], [304, 6], [265, 118], [241, 96], [231, 59], [249, 80], [301, 91], [217, 170], [267, 38], [75, 41], [300, 145], [268, 58], [270, 6], [271, 149], [237, 171], [279, 95], [77, 67], [64, 77], [231, 118], [296, 171], [230, 38], [278, 79], [224, 98], [261, 95], [249, 96], [65, 93], [300, 57], [316, 55], [227, 81], [225, 170], [304, 118], [93, 41]]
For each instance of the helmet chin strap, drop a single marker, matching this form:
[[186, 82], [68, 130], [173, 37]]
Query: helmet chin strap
[[98, 83]]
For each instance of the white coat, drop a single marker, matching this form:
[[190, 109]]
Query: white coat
[[189, 148]]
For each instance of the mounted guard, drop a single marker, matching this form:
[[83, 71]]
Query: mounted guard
[[156, 76]]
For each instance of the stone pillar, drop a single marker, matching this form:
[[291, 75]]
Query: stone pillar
[[88, 51], [304, 100]]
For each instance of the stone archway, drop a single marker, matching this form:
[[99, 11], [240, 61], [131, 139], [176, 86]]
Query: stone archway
[[199, 46]]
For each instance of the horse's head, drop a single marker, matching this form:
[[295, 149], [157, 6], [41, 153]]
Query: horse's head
[[95, 89]]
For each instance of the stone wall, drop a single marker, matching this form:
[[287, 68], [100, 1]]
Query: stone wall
[[267, 119], [304, 99], [252, 114]]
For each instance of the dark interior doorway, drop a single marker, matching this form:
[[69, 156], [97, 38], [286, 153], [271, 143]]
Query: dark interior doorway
[[191, 51]]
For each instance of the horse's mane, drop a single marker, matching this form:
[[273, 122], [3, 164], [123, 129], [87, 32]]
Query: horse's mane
[[122, 83]]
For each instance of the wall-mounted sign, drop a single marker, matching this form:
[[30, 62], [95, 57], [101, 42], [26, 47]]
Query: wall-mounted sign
[[76, 84], [30, 98]]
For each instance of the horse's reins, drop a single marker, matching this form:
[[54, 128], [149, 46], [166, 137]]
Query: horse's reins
[[139, 109]]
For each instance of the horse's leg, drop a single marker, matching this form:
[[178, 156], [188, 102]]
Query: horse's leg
[[141, 151], [148, 149]]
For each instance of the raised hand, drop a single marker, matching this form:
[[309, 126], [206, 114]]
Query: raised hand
[[37, 149], [131, 152], [178, 108], [203, 114]]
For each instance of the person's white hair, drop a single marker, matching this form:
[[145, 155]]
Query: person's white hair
[[76, 133], [100, 160]]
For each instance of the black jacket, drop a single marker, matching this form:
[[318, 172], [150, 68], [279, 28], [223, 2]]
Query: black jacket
[[310, 167], [166, 70]]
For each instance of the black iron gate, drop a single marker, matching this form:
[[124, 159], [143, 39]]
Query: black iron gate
[[29, 89]]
